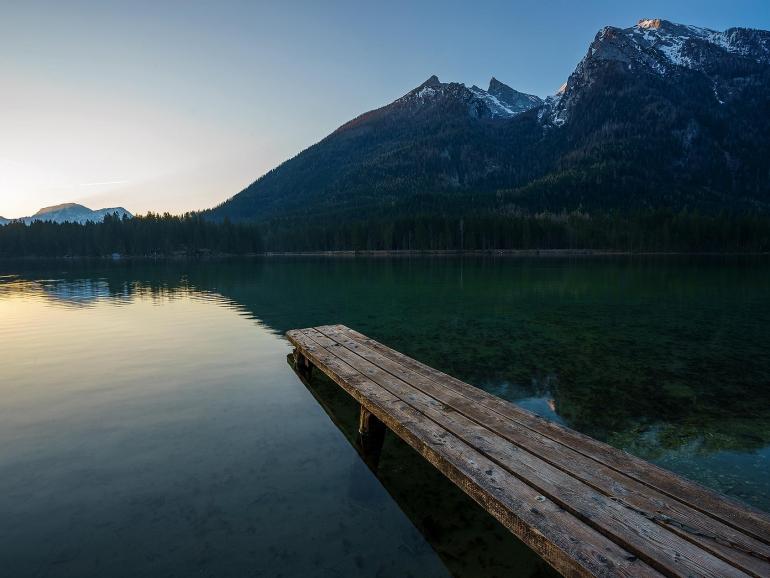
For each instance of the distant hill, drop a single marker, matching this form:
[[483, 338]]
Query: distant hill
[[655, 115], [70, 213]]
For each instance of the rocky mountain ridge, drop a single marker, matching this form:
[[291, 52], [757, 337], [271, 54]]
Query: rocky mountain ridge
[[657, 115]]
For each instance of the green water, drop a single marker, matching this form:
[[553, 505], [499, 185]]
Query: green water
[[150, 424]]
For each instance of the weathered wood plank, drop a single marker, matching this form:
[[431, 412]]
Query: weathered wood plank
[[744, 552], [656, 545], [570, 546], [722, 508]]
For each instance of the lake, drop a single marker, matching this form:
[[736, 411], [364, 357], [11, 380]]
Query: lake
[[150, 424]]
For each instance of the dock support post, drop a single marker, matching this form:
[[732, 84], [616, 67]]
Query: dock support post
[[371, 436], [302, 365]]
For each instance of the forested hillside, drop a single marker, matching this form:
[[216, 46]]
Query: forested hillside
[[656, 116], [658, 141]]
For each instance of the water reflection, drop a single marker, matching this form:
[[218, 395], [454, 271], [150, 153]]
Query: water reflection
[[161, 435], [469, 541], [668, 358]]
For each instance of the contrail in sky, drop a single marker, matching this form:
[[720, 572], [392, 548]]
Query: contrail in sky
[[101, 183]]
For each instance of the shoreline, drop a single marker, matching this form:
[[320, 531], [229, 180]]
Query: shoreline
[[502, 253], [513, 253]]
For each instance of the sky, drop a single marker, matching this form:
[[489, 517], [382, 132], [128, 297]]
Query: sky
[[178, 105]]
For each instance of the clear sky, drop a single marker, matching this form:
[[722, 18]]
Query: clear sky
[[163, 105]]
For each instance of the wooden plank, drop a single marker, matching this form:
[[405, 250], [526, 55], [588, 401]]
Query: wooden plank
[[654, 544], [566, 543], [727, 543], [723, 508]]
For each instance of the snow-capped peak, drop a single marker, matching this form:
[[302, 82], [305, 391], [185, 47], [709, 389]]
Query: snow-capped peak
[[693, 47], [428, 87], [499, 101], [71, 213], [649, 23], [503, 101], [659, 47]]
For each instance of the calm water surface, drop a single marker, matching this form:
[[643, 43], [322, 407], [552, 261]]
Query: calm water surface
[[151, 426]]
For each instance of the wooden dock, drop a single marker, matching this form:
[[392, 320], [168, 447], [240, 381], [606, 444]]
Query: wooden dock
[[587, 508]]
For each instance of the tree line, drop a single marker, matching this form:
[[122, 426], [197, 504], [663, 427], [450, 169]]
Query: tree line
[[194, 235], [148, 235]]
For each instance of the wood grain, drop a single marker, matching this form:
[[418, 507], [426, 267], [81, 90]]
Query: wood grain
[[572, 499], [741, 550], [732, 512]]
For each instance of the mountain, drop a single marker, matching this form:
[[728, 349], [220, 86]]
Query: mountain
[[505, 102], [71, 213], [74, 213], [437, 137], [658, 115], [726, 61]]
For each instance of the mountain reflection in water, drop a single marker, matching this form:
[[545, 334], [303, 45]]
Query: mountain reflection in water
[[652, 355], [667, 358]]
